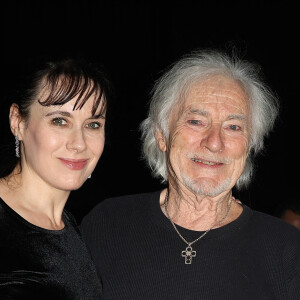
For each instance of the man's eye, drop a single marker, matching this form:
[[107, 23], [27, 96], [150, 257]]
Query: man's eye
[[194, 122], [234, 127], [94, 125], [59, 121]]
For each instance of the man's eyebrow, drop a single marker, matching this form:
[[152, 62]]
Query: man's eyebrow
[[237, 117], [204, 113], [198, 112]]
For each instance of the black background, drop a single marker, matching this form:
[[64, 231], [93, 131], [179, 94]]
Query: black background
[[135, 41]]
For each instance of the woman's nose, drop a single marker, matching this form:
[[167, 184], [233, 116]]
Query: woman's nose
[[76, 141]]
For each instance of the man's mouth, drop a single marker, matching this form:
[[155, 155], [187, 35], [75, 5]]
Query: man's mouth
[[206, 162]]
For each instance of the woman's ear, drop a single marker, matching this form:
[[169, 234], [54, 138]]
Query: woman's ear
[[15, 120], [160, 139]]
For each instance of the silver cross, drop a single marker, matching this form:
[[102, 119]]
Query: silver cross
[[188, 254]]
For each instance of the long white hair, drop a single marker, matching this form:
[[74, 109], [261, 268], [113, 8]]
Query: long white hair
[[197, 66]]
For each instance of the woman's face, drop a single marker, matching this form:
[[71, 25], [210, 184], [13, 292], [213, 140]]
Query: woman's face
[[61, 146]]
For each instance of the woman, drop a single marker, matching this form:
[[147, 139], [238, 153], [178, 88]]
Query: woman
[[59, 136]]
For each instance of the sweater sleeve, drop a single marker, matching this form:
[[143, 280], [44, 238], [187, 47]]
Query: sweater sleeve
[[294, 290]]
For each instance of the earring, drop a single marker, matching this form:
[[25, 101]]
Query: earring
[[90, 176], [17, 146]]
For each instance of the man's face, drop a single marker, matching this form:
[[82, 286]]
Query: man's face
[[209, 136]]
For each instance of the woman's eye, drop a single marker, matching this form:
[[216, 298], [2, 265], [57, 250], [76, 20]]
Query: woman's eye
[[94, 125], [59, 122]]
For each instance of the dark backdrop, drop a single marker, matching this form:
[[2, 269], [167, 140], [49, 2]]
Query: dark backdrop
[[135, 41]]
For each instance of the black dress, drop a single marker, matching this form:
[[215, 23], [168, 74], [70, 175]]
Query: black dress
[[37, 263]]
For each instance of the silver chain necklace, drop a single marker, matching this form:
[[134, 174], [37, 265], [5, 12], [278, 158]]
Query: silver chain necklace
[[189, 253]]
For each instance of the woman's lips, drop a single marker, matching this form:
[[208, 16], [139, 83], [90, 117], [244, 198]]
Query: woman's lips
[[74, 164]]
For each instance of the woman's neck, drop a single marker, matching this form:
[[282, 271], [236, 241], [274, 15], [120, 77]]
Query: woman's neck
[[35, 201]]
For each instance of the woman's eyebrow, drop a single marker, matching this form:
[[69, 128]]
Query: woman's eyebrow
[[67, 114], [99, 116], [59, 112]]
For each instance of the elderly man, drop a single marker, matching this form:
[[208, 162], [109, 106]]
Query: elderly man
[[208, 117]]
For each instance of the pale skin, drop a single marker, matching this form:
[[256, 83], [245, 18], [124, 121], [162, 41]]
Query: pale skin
[[208, 148], [60, 149]]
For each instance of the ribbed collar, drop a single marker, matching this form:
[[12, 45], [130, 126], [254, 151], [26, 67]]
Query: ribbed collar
[[159, 219]]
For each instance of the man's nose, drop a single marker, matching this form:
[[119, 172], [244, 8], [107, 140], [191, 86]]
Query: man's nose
[[213, 140]]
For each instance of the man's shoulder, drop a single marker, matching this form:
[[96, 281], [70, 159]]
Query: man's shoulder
[[272, 225]]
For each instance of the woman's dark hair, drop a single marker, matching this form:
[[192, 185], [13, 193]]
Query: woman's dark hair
[[62, 80]]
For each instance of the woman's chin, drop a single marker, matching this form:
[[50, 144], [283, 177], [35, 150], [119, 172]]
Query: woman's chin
[[71, 185]]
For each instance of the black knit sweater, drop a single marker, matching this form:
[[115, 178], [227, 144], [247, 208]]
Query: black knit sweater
[[138, 254]]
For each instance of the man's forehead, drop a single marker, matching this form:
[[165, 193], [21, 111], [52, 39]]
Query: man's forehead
[[216, 86], [204, 107], [215, 91]]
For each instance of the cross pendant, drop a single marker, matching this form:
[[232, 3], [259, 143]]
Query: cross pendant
[[188, 254]]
